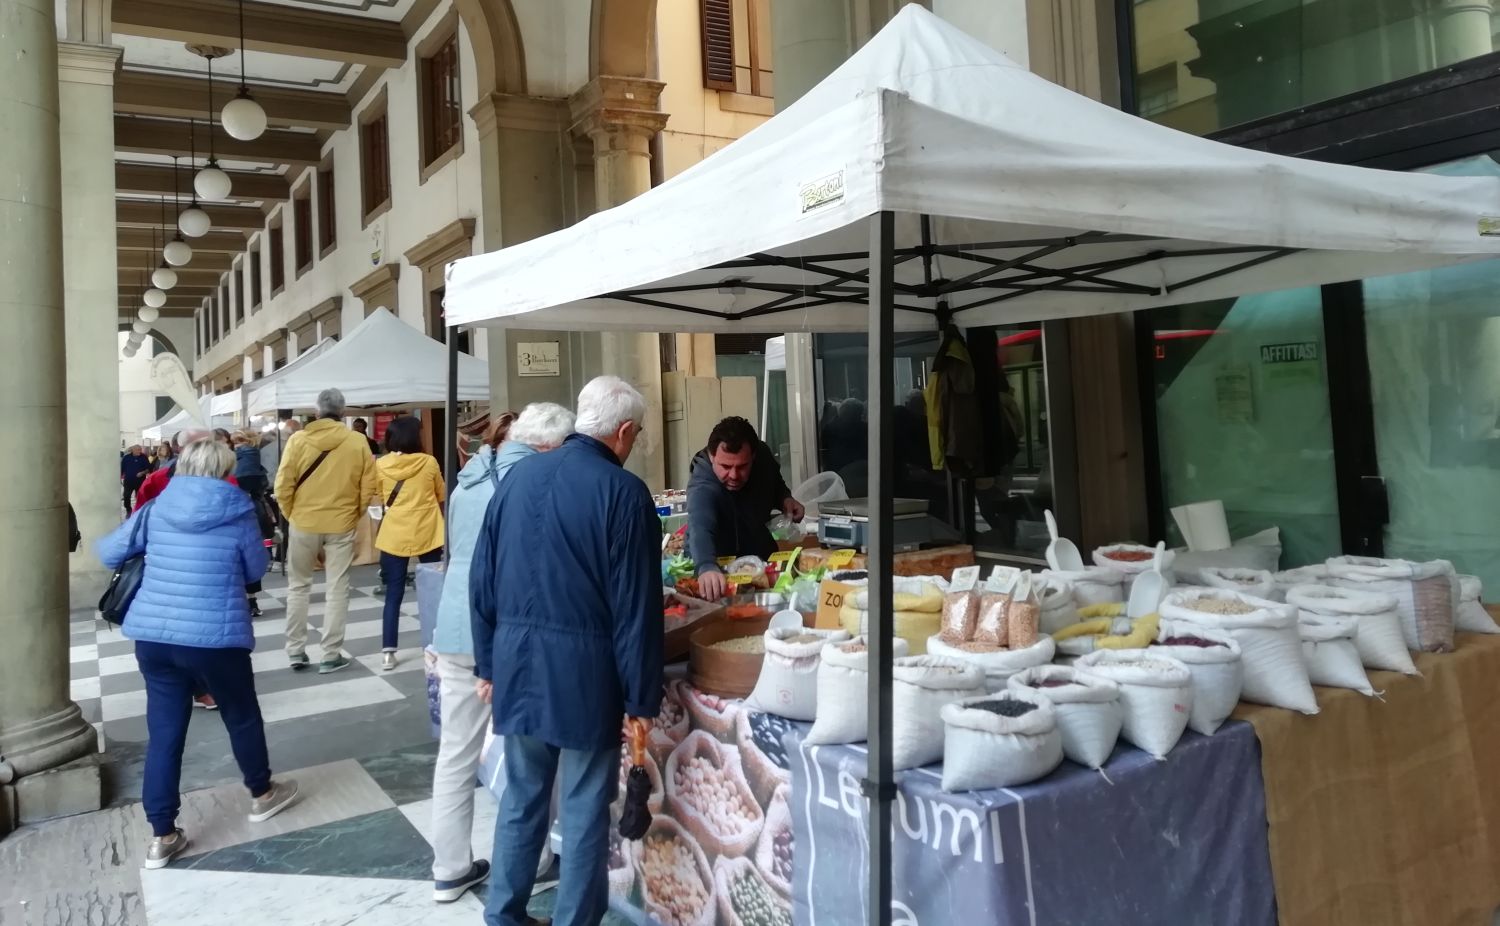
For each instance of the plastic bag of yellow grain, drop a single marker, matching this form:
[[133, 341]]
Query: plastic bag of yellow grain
[[918, 605]]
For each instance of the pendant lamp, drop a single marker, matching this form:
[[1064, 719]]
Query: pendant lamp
[[243, 118], [176, 252], [211, 183]]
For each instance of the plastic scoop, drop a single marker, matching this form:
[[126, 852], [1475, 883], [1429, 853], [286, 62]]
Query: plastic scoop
[[782, 619], [1149, 589], [1062, 553]]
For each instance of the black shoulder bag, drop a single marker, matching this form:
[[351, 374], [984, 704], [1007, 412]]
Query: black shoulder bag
[[114, 604], [311, 469], [390, 501]]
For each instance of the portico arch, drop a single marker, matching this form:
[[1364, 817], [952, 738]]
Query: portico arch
[[499, 53]]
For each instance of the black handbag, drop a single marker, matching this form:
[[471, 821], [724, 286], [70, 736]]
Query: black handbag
[[115, 602]]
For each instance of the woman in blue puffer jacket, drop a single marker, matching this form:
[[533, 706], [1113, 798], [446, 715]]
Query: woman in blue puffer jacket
[[191, 625], [464, 706]]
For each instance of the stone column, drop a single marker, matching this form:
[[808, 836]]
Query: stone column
[[90, 302], [621, 115], [41, 730], [1461, 29], [521, 197]]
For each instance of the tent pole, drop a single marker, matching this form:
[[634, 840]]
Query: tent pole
[[879, 785], [450, 415]]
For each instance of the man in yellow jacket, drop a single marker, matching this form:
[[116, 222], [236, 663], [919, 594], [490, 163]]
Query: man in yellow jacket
[[325, 481]]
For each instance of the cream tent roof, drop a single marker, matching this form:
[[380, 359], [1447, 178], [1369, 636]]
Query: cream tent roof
[[1014, 199], [382, 363]]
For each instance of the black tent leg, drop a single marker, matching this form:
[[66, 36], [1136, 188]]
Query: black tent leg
[[879, 785], [450, 423]]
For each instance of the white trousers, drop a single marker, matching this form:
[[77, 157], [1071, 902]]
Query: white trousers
[[456, 775]]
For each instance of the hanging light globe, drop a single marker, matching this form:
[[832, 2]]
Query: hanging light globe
[[148, 314], [177, 252], [212, 184], [130, 351], [242, 117], [194, 222], [164, 278], [140, 328], [155, 298]]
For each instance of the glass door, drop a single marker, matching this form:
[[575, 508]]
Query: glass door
[[1242, 415]]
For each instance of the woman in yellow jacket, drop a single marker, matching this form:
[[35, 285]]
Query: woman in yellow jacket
[[412, 491]]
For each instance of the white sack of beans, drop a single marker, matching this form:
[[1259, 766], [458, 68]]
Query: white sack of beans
[[1218, 670], [999, 740], [1471, 616], [1091, 584], [1287, 579], [1059, 607], [1156, 692], [788, 682], [1131, 568], [1087, 707], [1266, 631], [923, 684], [1257, 582], [997, 665], [843, 692], [1377, 636], [1330, 651], [1427, 595]]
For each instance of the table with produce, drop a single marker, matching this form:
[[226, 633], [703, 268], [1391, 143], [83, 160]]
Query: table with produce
[[1064, 740]]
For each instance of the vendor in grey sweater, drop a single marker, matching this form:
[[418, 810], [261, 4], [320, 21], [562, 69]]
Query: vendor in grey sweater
[[733, 487]]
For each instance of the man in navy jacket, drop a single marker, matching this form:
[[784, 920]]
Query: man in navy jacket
[[565, 589]]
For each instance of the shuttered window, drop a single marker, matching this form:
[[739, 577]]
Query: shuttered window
[[718, 44], [441, 112]]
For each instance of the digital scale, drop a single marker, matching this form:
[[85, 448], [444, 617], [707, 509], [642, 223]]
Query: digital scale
[[846, 523]]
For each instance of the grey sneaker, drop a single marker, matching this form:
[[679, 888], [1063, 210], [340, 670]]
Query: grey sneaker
[[274, 801], [299, 662], [387, 660], [333, 664], [165, 848]]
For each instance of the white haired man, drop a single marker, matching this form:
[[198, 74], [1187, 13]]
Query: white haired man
[[511, 438], [325, 480], [565, 590]]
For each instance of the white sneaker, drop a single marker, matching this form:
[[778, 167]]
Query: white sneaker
[[387, 661], [163, 849]]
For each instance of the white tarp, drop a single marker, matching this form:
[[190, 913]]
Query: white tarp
[[176, 420], [233, 401], [1015, 199], [382, 363]]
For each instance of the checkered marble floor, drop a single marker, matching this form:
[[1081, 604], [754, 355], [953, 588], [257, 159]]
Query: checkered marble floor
[[353, 849]]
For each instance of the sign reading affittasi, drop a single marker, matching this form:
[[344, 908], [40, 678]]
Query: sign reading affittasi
[[1293, 352], [538, 358]]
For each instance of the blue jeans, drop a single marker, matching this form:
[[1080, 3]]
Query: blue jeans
[[393, 573], [173, 673], [590, 781]]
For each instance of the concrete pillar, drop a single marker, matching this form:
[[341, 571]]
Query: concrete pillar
[[41, 730], [1461, 29], [90, 303], [621, 115], [521, 197]]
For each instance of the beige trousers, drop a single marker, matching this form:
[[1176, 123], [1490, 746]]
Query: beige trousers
[[302, 551]]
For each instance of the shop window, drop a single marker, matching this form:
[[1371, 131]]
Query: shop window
[[277, 254], [1242, 416], [736, 43], [375, 160], [1433, 340], [302, 249], [1242, 60], [440, 107], [1156, 92], [327, 224]]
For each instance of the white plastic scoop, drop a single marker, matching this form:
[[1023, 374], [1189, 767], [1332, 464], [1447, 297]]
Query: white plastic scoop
[[783, 619], [1062, 553], [1149, 589]]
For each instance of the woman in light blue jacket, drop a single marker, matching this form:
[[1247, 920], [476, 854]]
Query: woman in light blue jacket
[[465, 700], [191, 626]]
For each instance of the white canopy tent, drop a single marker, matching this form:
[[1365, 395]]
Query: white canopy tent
[[932, 180], [382, 363], [178, 420], [233, 402]]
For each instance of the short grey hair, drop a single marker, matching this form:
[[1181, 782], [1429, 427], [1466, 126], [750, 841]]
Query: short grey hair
[[606, 403], [330, 404], [206, 457], [542, 425]]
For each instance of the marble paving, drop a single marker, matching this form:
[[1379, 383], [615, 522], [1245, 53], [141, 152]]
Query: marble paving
[[354, 849]]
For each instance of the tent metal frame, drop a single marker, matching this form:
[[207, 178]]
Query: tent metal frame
[[1006, 277]]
